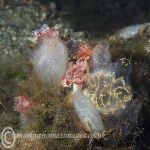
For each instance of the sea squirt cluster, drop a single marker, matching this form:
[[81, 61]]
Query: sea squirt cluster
[[106, 84], [109, 92], [102, 96], [108, 88]]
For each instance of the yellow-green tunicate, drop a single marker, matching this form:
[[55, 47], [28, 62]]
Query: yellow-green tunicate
[[107, 92]]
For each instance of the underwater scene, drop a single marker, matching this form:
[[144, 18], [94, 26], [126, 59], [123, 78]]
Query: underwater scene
[[74, 75]]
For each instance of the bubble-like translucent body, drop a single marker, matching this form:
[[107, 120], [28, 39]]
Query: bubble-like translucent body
[[101, 56], [26, 119], [50, 60], [107, 93], [131, 31], [122, 68], [87, 112]]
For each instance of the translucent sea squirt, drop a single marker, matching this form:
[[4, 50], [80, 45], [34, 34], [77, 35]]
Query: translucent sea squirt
[[87, 112], [101, 56], [107, 92], [50, 60]]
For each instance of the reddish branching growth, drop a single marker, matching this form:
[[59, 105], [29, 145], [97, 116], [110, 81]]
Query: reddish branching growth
[[45, 31], [22, 104], [84, 51], [78, 72]]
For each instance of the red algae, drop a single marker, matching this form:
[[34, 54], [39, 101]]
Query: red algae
[[78, 72], [45, 32], [22, 104]]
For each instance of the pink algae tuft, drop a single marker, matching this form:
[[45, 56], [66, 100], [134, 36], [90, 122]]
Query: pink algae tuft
[[45, 32], [84, 51], [22, 104], [78, 72]]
